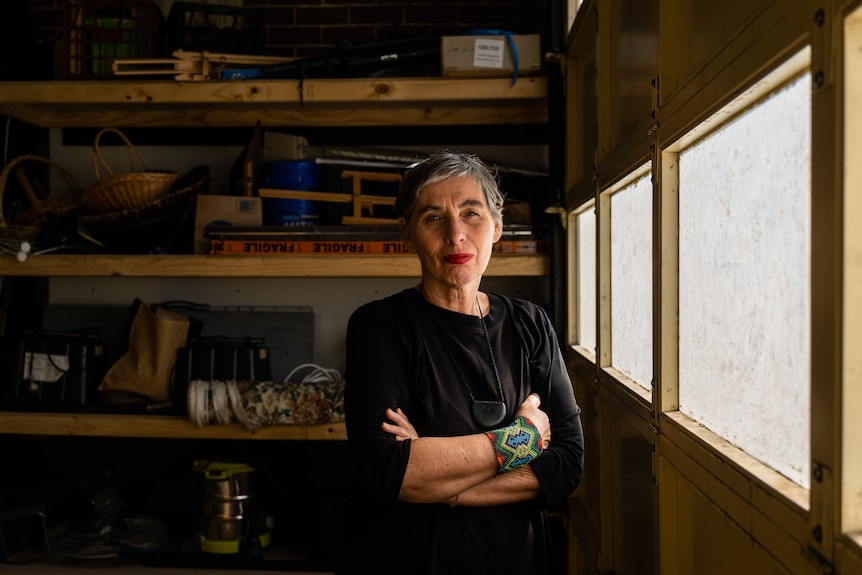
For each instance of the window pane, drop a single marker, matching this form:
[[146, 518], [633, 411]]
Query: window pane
[[573, 7], [744, 281], [586, 278], [631, 281]]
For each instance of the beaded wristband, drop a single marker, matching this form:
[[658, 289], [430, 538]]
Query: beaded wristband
[[517, 444]]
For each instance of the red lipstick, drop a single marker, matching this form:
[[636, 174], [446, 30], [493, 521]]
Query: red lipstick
[[457, 258]]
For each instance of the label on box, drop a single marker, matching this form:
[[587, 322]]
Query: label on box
[[488, 53], [44, 367]]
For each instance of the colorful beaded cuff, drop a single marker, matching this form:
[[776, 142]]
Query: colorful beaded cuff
[[517, 444]]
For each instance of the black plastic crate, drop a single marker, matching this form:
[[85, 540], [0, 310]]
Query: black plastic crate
[[216, 359], [95, 32], [222, 29], [41, 370]]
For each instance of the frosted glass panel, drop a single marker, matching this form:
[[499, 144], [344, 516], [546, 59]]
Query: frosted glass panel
[[744, 280], [574, 6], [631, 281], [586, 278], [851, 405]]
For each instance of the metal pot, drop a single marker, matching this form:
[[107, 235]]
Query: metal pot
[[231, 512]]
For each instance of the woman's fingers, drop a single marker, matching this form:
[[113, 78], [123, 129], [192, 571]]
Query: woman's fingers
[[400, 427], [530, 410]]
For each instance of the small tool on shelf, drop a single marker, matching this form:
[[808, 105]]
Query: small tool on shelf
[[363, 204], [190, 66]]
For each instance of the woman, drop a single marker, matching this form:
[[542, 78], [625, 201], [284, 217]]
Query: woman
[[462, 423]]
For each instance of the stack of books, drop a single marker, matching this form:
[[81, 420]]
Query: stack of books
[[342, 241]]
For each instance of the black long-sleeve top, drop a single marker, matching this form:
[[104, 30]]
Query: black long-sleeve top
[[405, 352]]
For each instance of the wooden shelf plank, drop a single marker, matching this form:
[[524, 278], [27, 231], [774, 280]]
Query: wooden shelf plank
[[326, 102], [509, 265], [44, 566], [387, 92], [155, 426], [275, 118]]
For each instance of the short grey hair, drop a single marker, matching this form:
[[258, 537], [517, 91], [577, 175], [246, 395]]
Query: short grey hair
[[443, 165]]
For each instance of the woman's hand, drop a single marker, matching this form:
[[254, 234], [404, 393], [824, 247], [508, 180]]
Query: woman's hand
[[530, 410], [400, 427]]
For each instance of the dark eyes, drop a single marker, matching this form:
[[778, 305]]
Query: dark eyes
[[431, 218]]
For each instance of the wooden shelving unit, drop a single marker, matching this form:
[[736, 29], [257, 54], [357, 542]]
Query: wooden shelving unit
[[326, 102], [362, 102]]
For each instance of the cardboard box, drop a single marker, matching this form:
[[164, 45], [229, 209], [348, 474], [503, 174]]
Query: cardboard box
[[482, 56], [228, 210]]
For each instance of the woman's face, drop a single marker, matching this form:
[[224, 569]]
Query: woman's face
[[453, 232]]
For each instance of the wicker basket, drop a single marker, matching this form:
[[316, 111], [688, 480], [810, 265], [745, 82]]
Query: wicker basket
[[25, 223], [125, 191], [165, 224], [195, 182]]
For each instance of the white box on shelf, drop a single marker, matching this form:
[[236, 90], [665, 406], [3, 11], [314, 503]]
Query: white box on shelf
[[490, 55], [224, 210]]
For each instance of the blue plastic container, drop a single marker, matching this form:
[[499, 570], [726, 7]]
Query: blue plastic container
[[291, 175]]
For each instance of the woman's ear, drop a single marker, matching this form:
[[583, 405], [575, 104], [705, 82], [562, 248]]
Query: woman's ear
[[498, 231]]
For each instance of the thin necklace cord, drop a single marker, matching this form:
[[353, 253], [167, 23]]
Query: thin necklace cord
[[490, 351]]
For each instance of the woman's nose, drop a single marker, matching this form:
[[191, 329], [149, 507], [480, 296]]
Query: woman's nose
[[454, 230]]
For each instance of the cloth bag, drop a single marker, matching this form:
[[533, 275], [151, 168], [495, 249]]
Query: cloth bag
[[155, 336], [257, 403]]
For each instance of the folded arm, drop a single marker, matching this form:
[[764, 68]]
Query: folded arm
[[465, 469]]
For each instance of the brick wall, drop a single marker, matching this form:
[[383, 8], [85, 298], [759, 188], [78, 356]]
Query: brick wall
[[313, 28], [309, 28]]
